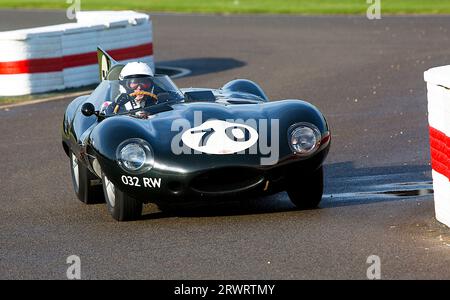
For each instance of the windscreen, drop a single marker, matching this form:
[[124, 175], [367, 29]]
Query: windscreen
[[129, 95]]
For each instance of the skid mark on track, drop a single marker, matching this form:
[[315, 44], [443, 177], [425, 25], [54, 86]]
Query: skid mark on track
[[383, 187]]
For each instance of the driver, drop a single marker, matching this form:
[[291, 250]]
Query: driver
[[136, 87]]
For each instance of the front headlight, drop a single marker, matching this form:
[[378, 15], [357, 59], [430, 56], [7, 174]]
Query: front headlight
[[135, 156], [304, 138]]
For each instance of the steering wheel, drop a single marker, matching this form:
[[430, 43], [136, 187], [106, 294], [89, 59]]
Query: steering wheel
[[151, 95]]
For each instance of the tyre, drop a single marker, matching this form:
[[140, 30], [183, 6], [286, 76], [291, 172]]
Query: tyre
[[306, 192], [121, 206], [84, 183]]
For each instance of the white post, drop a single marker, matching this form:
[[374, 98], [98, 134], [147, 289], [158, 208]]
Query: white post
[[438, 83]]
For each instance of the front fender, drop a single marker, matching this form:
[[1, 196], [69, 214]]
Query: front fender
[[290, 112], [108, 134]]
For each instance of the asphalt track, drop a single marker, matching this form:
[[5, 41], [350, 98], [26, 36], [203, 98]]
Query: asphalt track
[[367, 78]]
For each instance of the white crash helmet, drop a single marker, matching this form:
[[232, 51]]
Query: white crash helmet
[[135, 69]]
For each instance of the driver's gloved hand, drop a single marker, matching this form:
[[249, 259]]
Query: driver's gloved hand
[[123, 99]]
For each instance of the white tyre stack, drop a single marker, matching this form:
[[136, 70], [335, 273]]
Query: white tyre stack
[[63, 56]]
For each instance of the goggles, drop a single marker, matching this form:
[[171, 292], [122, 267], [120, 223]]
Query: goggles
[[143, 83]]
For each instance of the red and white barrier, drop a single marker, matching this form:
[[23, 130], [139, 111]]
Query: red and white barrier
[[438, 83], [63, 56]]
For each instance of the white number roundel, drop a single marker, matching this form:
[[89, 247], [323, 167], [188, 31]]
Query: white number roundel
[[220, 137]]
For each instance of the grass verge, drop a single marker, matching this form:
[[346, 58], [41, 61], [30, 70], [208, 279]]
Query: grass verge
[[246, 6], [35, 97]]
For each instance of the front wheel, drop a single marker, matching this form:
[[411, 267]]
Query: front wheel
[[84, 182], [306, 192], [121, 206]]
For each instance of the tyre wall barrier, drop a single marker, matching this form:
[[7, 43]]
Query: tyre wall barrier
[[438, 85], [64, 56]]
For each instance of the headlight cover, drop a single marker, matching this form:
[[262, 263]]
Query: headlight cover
[[135, 156], [304, 138]]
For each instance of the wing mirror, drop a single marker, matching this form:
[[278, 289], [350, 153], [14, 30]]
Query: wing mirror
[[88, 109]]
